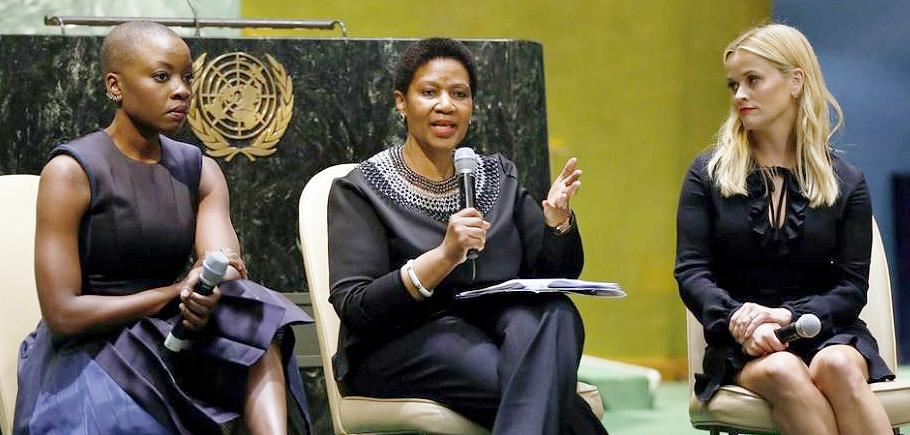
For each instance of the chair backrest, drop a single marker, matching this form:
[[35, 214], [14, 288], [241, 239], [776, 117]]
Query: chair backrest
[[877, 314], [314, 245], [19, 310]]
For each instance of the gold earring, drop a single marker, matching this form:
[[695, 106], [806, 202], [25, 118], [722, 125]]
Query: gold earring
[[113, 98]]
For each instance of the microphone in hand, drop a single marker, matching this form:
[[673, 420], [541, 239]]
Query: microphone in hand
[[213, 269], [807, 326], [465, 168]]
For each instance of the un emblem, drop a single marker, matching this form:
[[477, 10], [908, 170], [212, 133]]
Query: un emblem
[[240, 105]]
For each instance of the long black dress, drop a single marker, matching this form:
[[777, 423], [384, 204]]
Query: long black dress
[[506, 362], [728, 253], [138, 233]]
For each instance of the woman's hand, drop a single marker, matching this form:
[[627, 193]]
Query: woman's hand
[[763, 341], [194, 307], [750, 316], [556, 207], [236, 266], [466, 230]]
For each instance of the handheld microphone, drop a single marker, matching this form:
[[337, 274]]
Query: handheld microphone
[[213, 269], [807, 326], [465, 167]]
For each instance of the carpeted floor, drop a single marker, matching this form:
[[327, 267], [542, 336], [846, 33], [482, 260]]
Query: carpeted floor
[[671, 413]]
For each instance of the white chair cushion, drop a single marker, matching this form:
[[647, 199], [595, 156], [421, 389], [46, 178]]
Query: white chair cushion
[[367, 414], [19, 311], [738, 407]]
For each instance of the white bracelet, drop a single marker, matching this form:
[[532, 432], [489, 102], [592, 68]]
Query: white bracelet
[[409, 269]]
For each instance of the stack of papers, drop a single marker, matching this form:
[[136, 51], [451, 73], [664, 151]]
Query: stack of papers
[[550, 285]]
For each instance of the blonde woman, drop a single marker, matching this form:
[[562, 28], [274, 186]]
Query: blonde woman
[[772, 225]]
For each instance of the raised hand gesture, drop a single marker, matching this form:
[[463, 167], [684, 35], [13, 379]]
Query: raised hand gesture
[[556, 207]]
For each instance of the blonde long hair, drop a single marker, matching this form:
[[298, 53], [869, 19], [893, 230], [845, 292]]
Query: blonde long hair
[[732, 159]]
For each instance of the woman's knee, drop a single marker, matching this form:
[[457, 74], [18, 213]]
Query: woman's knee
[[779, 372], [533, 311], [838, 368]]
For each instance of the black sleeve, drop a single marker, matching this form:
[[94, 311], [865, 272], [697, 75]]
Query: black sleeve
[[842, 304], [546, 254], [710, 304], [367, 291]]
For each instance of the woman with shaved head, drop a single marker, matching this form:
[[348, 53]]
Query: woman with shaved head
[[120, 213]]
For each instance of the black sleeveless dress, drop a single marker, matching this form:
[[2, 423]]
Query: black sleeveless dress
[[137, 234]]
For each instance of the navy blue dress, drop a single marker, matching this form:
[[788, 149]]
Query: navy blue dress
[[727, 253], [137, 234]]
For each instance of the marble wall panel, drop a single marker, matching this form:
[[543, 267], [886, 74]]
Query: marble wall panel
[[51, 91]]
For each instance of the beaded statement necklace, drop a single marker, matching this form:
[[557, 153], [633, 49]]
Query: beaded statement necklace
[[388, 174]]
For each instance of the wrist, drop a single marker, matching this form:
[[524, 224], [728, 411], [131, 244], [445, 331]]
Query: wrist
[[555, 217], [415, 280], [562, 226], [447, 256], [781, 316], [173, 291]]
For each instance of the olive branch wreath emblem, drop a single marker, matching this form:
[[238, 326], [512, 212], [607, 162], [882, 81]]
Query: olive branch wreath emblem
[[263, 144]]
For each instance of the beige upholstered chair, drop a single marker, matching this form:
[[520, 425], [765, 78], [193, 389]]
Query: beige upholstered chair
[[355, 414], [736, 410], [19, 311]]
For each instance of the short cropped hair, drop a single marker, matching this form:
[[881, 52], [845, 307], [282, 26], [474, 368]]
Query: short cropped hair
[[119, 44], [425, 50]]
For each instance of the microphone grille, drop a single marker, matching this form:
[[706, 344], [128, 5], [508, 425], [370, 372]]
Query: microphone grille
[[808, 325], [214, 266], [465, 160]]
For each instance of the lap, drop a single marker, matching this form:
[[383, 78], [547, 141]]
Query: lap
[[777, 367], [446, 352], [76, 396], [783, 368], [461, 350], [500, 314]]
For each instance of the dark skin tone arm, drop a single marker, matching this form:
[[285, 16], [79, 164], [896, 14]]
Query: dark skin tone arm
[[63, 198]]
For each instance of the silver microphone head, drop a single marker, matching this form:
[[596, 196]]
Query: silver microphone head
[[214, 267], [808, 325], [465, 161]]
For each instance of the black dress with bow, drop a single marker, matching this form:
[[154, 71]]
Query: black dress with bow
[[728, 253]]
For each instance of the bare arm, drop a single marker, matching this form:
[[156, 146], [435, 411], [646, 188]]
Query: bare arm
[[214, 229], [63, 198]]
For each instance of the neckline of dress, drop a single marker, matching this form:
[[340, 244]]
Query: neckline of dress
[[110, 141]]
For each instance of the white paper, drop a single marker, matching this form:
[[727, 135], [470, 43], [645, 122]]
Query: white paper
[[550, 285]]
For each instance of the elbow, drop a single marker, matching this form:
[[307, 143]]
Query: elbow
[[351, 318], [354, 327], [63, 322], [580, 265], [356, 322], [62, 325]]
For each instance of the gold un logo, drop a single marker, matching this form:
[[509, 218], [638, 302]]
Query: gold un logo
[[239, 105]]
